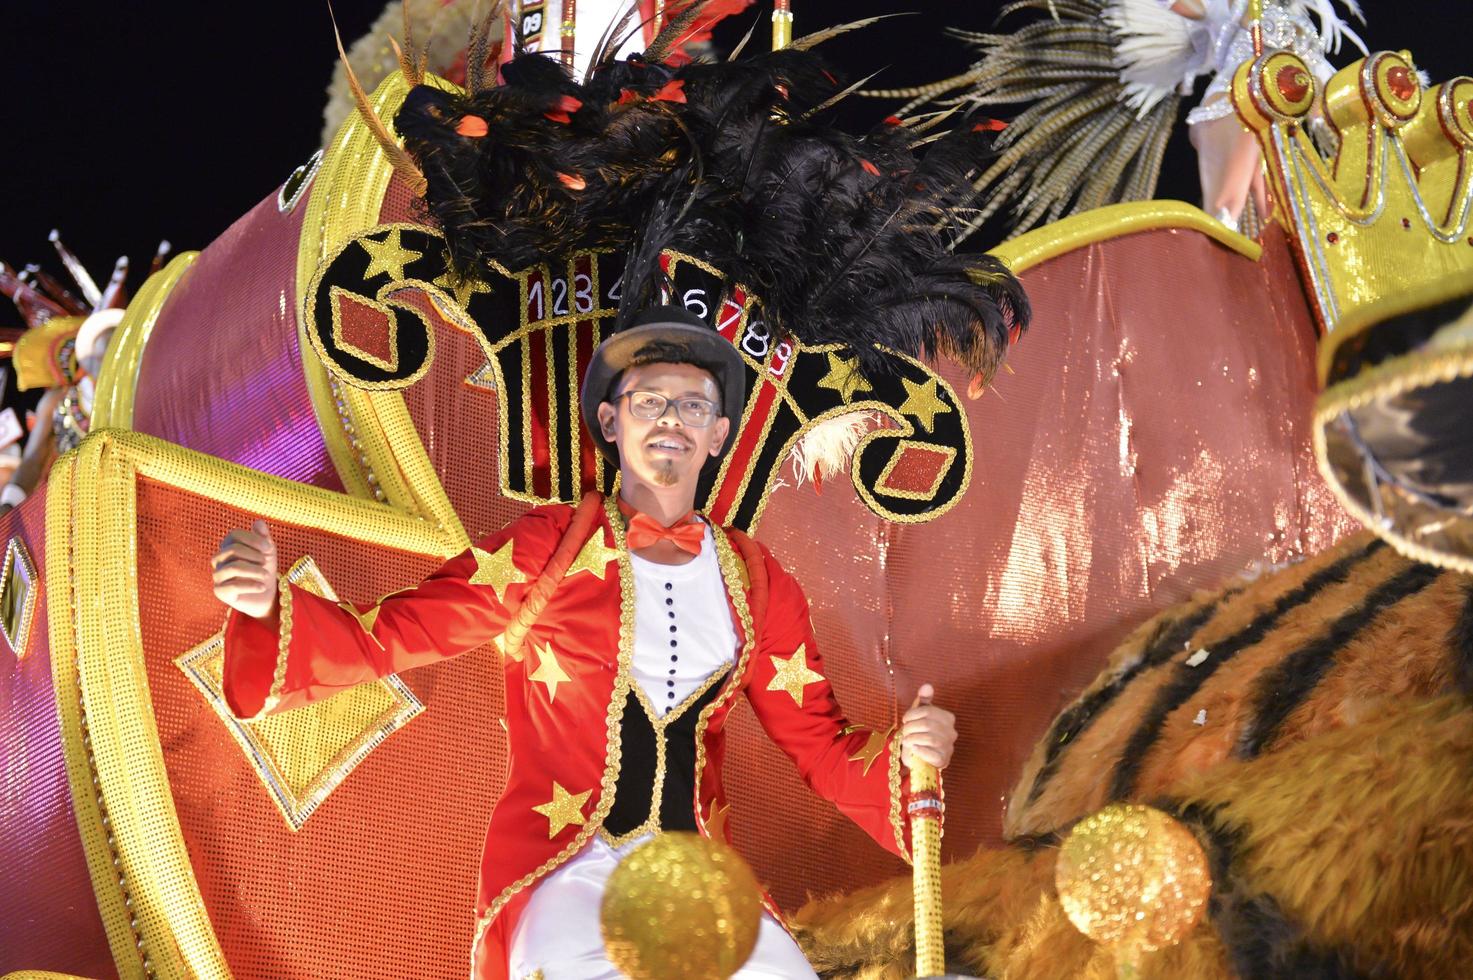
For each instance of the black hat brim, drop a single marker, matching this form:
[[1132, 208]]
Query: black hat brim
[[700, 345]]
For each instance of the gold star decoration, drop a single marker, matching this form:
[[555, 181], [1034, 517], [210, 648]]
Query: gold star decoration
[[388, 257], [844, 377], [563, 809], [924, 402], [716, 822], [366, 619], [593, 557], [460, 289], [498, 570], [873, 747], [549, 672], [793, 675]]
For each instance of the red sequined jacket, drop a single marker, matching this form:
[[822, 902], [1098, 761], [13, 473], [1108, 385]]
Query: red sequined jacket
[[566, 696]]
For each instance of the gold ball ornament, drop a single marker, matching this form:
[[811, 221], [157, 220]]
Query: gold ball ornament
[[681, 906], [1132, 878]]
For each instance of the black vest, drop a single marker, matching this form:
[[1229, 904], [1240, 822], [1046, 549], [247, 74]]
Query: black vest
[[634, 791]]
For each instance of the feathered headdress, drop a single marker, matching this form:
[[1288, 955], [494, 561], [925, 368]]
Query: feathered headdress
[[1101, 83], [44, 352]]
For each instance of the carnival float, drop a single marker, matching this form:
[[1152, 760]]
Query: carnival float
[[1196, 561]]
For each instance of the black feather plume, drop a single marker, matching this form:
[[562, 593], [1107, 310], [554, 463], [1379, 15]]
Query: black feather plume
[[845, 238]]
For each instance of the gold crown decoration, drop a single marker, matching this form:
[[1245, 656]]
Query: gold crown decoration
[[1390, 209], [1382, 232]]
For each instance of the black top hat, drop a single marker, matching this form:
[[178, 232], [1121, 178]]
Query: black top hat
[[690, 341]]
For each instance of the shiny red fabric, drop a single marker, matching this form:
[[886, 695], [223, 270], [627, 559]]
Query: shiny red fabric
[[1153, 438], [560, 741], [48, 912], [381, 880]]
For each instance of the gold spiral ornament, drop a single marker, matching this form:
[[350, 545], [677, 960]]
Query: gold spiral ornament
[[681, 906], [1390, 86], [1133, 879], [1282, 86], [1455, 109]]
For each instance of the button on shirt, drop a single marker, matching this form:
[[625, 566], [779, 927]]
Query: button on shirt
[[682, 626]]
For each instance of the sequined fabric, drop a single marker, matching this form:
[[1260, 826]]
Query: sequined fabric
[[222, 372], [1286, 27], [381, 881], [48, 912], [1154, 439]]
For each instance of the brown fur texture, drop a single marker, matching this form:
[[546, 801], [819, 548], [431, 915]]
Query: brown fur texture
[[1324, 759]]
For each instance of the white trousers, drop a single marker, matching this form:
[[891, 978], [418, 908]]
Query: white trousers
[[558, 931]]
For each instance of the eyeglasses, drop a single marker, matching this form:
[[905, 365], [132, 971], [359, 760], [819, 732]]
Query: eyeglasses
[[695, 412]]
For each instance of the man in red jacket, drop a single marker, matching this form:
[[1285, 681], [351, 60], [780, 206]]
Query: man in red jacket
[[629, 626]]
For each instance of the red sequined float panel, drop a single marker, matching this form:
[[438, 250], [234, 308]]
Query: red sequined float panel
[[48, 912], [379, 881]]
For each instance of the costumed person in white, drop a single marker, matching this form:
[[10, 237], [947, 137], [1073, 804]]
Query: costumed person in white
[[1229, 163]]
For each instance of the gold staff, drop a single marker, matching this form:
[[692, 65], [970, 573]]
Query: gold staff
[[925, 810], [782, 24]]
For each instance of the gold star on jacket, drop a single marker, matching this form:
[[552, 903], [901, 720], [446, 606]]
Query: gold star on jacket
[[793, 675], [563, 810]]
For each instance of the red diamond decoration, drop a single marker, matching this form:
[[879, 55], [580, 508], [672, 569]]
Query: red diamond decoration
[[364, 329], [918, 471]]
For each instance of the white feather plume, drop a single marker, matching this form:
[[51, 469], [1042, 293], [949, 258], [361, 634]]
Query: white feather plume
[[825, 450], [1333, 28], [1154, 51]]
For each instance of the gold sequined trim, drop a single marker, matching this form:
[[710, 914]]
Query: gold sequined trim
[[732, 571], [897, 822], [283, 644], [370, 437], [117, 382]]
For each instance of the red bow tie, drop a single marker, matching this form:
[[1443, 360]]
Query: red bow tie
[[685, 534]]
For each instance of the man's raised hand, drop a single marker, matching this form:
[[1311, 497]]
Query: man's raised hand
[[245, 570]]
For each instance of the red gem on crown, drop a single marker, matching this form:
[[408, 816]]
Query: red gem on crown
[[1399, 79], [1293, 83]]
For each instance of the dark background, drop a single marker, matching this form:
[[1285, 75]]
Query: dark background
[[127, 123]]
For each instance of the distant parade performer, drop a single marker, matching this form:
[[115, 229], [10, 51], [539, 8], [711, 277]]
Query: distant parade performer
[[61, 350], [1103, 82]]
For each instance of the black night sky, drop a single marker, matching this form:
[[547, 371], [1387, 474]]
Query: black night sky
[[128, 123]]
